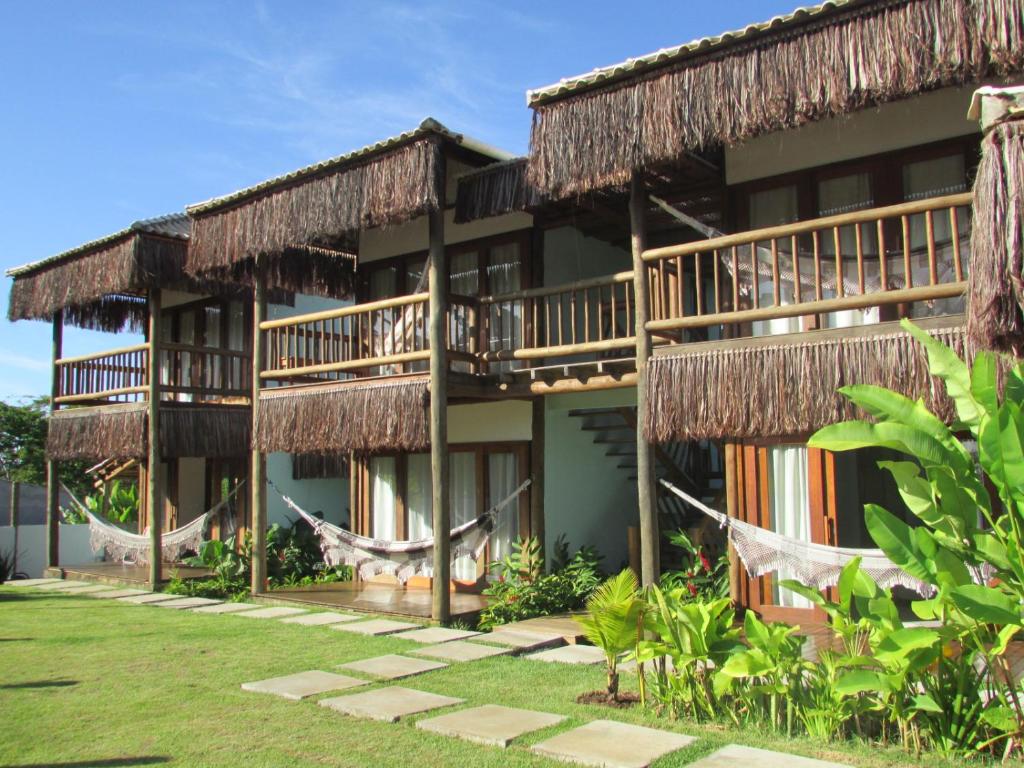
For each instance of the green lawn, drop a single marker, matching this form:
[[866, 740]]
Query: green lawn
[[96, 682]]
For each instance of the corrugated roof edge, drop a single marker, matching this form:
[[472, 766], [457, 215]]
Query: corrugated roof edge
[[173, 225], [666, 56], [428, 126]]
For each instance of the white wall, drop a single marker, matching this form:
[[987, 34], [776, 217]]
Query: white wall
[[586, 496], [329, 496], [74, 547], [191, 489], [912, 122], [500, 421]]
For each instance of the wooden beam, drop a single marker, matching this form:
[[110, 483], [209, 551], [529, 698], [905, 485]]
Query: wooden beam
[[153, 444], [437, 274], [258, 465], [646, 492], [52, 480], [537, 471]]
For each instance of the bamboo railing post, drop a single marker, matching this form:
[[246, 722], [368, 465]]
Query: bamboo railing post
[[258, 465], [646, 490], [52, 480], [155, 513], [437, 278], [537, 471]]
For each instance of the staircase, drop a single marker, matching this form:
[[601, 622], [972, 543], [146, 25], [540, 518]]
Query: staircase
[[695, 467]]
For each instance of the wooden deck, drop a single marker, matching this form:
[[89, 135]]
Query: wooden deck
[[379, 598], [130, 575]]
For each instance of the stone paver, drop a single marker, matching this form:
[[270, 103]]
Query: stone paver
[[29, 582], [87, 589], [389, 704], [490, 724], [736, 756], [611, 744], [148, 597], [115, 593], [272, 612], [392, 666], [321, 619], [521, 641], [570, 654], [434, 635], [62, 584], [188, 602], [375, 627], [460, 650], [303, 684], [226, 608]]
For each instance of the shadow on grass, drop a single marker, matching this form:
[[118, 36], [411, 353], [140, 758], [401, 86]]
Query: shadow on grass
[[39, 684], [111, 762]]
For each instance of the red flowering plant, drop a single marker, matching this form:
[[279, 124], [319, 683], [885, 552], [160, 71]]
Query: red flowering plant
[[703, 576]]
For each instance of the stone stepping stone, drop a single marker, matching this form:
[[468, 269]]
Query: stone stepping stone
[[226, 608], [303, 684], [320, 619], [29, 582], [61, 584], [114, 593], [389, 704], [460, 650], [90, 589], [375, 627], [434, 635], [736, 756], [392, 666], [521, 641], [570, 654], [611, 744], [148, 597], [272, 612], [187, 602], [490, 724]]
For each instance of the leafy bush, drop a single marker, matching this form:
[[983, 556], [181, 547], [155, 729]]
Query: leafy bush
[[614, 621], [699, 576]]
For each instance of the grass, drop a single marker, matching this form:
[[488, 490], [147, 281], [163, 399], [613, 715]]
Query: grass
[[96, 682]]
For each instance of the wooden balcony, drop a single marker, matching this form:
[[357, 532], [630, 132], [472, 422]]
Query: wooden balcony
[[187, 374]]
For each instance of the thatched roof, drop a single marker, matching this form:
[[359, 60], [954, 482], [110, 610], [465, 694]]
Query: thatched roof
[[594, 131], [291, 219], [495, 190], [101, 284], [763, 388]]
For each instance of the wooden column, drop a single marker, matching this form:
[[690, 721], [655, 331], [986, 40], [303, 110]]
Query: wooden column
[[52, 479], [732, 509], [537, 472], [646, 490], [258, 468], [437, 275], [156, 516]]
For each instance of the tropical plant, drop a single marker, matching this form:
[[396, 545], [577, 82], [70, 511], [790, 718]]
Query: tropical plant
[[614, 621], [700, 576], [122, 503]]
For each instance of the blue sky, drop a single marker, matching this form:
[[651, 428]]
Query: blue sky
[[117, 111]]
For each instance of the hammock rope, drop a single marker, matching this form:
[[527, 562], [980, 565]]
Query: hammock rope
[[401, 559], [121, 546], [816, 565]]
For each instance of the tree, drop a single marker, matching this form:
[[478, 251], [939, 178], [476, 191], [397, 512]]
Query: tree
[[23, 447]]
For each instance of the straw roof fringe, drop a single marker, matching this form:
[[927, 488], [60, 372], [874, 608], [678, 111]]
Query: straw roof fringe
[[867, 54], [361, 418], [995, 296], [120, 432], [323, 208], [778, 390], [495, 190]]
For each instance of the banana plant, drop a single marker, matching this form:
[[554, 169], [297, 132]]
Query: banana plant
[[614, 621]]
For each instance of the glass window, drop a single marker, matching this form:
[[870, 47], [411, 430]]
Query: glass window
[[419, 499], [464, 274], [790, 510], [770, 208]]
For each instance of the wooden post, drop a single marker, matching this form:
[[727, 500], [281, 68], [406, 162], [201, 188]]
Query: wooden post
[[52, 480], [437, 275], [537, 472], [15, 504], [258, 467], [646, 490], [156, 516], [732, 509]]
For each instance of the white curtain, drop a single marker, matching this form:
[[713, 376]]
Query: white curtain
[[769, 208], [503, 477], [465, 281], [790, 509], [383, 492], [419, 498], [462, 472], [505, 321]]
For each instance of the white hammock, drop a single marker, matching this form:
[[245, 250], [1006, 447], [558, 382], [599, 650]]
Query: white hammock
[[401, 559], [816, 565], [121, 546]]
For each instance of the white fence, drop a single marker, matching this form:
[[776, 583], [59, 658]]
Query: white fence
[[74, 547]]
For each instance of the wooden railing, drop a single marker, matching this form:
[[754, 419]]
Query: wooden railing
[[912, 252], [588, 317], [186, 373]]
